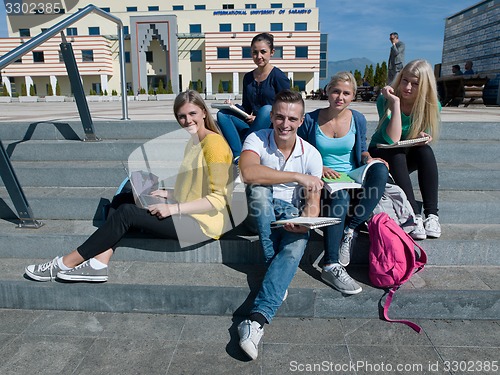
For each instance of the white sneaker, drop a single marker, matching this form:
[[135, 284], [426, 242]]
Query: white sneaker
[[250, 333], [419, 232], [432, 226]]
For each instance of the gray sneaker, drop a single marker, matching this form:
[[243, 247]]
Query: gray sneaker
[[43, 272], [338, 278], [250, 334], [345, 248], [84, 272]]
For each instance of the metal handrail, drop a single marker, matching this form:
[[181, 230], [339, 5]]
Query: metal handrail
[[34, 42]]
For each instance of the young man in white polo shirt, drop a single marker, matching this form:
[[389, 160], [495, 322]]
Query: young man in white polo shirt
[[281, 170]]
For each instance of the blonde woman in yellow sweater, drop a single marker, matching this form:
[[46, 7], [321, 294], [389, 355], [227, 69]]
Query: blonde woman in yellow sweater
[[197, 206]]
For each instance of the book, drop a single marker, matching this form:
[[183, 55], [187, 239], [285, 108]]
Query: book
[[348, 180], [308, 222], [232, 107], [404, 143]]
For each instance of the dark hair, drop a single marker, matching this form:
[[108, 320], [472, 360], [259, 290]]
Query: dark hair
[[289, 96], [456, 67], [264, 37], [394, 34]]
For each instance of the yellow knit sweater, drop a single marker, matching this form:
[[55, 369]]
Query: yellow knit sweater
[[206, 172]]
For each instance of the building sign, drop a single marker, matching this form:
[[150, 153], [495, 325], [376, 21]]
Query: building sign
[[260, 12]]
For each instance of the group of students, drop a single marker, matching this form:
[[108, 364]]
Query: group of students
[[283, 155]]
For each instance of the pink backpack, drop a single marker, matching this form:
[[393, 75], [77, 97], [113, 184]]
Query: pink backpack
[[392, 259]]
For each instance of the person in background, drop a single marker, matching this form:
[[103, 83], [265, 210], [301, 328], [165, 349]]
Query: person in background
[[409, 108], [197, 205], [280, 170], [339, 133], [468, 67], [260, 86], [396, 57], [456, 71]]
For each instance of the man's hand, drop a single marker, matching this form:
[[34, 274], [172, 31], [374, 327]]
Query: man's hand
[[311, 183], [295, 228]]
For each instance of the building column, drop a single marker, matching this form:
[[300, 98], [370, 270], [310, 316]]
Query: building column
[[104, 83], [236, 83], [53, 83], [316, 81], [290, 76], [29, 81], [8, 85], [208, 84]]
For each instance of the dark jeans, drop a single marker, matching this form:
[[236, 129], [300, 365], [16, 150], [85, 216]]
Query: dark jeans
[[125, 216], [362, 202], [405, 160]]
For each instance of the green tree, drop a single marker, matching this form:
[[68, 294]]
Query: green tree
[[24, 92], [169, 87], [368, 76], [58, 89], [161, 87], [230, 86], [199, 86], [357, 77], [5, 92], [32, 90], [151, 91], [220, 88], [50, 92]]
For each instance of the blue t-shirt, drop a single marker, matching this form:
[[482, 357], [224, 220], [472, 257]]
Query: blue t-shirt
[[258, 94], [337, 153]]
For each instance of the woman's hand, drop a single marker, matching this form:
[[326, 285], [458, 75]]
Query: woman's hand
[[295, 228], [388, 93], [330, 173], [424, 134], [367, 159], [160, 193], [161, 211], [250, 119]]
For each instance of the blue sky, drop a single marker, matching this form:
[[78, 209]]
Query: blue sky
[[360, 28]]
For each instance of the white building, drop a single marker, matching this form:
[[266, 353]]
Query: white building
[[201, 44]]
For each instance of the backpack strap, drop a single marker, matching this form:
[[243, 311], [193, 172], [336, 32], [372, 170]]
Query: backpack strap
[[388, 301]]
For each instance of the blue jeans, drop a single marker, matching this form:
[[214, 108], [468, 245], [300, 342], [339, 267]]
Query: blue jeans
[[235, 129], [338, 204], [283, 250]]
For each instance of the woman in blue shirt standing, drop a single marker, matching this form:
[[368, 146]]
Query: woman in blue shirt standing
[[260, 86]]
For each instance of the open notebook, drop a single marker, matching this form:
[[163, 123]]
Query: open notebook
[[404, 143], [309, 222], [232, 107], [348, 180]]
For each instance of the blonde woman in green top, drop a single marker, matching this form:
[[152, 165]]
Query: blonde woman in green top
[[408, 109], [198, 208]]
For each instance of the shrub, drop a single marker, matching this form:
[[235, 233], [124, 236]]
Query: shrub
[[24, 92], [169, 87], [32, 90], [220, 88], [58, 89], [50, 92], [114, 93], [5, 92]]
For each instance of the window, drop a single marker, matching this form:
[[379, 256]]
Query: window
[[126, 30], [224, 27], [96, 87], [24, 32], [227, 6], [300, 26], [301, 52], [177, 7], [200, 7], [127, 57], [250, 6], [131, 9], [248, 27], [38, 57], [196, 56], [71, 31], [276, 27], [278, 53], [154, 8], [87, 55], [299, 5], [223, 52], [94, 30], [246, 52], [149, 56], [276, 5], [195, 28], [301, 85], [106, 9]]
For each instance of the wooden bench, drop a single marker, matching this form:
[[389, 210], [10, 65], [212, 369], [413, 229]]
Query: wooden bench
[[462, 90]]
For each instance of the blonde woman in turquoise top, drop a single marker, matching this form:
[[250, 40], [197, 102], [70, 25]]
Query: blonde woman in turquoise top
[[407, 109]]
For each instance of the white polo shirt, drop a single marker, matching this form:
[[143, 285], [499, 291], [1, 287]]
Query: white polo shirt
[[304, 159]]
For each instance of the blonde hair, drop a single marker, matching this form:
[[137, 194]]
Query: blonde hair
[[425, 110], [342, 77], [194, 97]]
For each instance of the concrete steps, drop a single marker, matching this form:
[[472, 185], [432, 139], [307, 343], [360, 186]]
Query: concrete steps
[[67, 182]]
